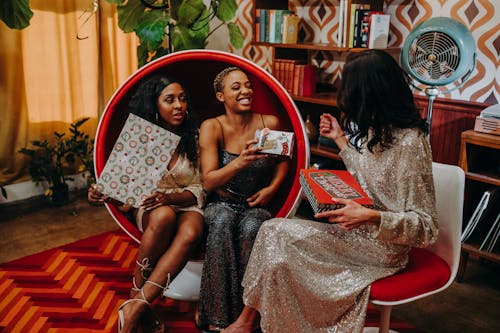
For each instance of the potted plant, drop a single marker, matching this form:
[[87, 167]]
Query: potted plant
[[52, 161]]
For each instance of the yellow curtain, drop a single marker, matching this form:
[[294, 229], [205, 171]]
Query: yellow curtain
[[50, 78]]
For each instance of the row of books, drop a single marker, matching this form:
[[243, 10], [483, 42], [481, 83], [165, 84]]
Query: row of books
[[296, 77], [483, 227], [361, 27], [276, 26]]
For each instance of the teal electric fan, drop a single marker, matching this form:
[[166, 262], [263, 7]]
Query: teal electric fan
[[437, 53]]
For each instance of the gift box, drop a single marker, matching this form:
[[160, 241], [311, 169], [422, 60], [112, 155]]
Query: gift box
[[137, 162], [275, 142]]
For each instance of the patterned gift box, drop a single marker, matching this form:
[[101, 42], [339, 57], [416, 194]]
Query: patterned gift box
[[138, 161], [275, 142]]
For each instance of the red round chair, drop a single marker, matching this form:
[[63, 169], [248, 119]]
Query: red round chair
[[197, 69]]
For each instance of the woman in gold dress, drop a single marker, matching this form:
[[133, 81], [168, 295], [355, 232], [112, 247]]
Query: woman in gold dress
[[306, 276]]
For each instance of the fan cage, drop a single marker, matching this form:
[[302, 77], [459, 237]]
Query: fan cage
[[433, 57]]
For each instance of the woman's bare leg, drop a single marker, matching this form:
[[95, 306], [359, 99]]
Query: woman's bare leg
[[188, 230], [247, 322]]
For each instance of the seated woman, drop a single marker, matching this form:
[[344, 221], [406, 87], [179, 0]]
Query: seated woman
[[242, 182], [306, 276], [172, 218]]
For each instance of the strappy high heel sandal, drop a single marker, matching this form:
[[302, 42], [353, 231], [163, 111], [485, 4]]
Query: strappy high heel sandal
[[150, 322]]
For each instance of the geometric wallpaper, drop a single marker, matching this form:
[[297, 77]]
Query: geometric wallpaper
[[319, 23]]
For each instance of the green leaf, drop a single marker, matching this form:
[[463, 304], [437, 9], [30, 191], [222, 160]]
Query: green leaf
[[227, 10], [130, 14], [160, 53], [142, 55], [15, 13], [117, 2], [189, 11], [174, 8], [235, 36], [151, 29], [182, 39], [201, 28]]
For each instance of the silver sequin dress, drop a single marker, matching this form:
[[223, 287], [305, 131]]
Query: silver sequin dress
[[307, 276]]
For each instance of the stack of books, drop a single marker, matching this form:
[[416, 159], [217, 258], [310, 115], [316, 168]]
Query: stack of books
[[489, 120]]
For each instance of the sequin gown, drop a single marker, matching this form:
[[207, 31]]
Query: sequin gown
[[232, 228], [306, 276]]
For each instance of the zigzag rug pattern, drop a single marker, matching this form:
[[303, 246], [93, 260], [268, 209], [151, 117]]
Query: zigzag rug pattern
[[78, 288]]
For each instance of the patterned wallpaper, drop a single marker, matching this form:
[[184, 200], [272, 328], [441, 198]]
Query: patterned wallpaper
[[319, 23]]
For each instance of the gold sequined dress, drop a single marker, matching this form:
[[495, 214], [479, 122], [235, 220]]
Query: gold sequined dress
[[307, 276]]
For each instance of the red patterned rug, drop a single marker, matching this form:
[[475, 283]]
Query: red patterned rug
[[79, 287]]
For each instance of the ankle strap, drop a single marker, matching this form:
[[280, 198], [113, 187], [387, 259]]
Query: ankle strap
[[135, 287], [145, 266], [164, 288]]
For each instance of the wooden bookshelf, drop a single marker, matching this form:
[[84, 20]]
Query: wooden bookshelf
[[302, 51], [480, 160]]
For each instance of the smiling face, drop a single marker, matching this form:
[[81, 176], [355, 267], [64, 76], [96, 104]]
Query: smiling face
[[172, 105], [236, 92]]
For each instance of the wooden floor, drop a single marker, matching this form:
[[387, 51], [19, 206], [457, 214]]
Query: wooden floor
[[470, 306]]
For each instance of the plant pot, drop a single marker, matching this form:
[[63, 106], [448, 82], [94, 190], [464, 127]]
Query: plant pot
[[60, 194]]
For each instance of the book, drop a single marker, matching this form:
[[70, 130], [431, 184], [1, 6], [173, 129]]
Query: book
[[137, 162], [264, 23], [379, 30], [321, 187], [290, 28], [308, 85], [257, 25]]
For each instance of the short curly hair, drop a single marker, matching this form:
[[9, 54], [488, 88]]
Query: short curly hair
[[219, 78]]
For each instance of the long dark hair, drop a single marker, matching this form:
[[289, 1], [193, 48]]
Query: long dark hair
[[144, 104], [375, 95]]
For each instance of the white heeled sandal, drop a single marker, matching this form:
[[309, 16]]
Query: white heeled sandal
[[149, 321]]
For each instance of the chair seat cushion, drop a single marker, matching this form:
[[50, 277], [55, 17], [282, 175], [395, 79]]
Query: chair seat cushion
[[425, 272]]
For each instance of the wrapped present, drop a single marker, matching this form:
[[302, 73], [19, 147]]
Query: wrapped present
[[138, 161], [275, 142]]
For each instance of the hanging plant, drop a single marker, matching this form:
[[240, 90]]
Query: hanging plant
[[163, 26]]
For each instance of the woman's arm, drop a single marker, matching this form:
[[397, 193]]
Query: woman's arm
[[192, 194], [214, 177], [264, 195], [406, 197]]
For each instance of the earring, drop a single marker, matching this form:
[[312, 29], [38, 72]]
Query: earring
[[156, 116]]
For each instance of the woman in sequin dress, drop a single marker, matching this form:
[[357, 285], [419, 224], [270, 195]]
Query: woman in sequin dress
[[306, 276], [241, 182], [171, 219]]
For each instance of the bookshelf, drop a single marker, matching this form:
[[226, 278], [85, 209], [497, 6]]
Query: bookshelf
[[480, 160], [325, 98]]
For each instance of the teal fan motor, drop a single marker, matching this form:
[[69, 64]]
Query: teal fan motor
[[438, 52]]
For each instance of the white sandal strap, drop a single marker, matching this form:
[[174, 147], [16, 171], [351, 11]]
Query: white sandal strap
[[135, 287], [164, 288], [145, 266], [121, 319]]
